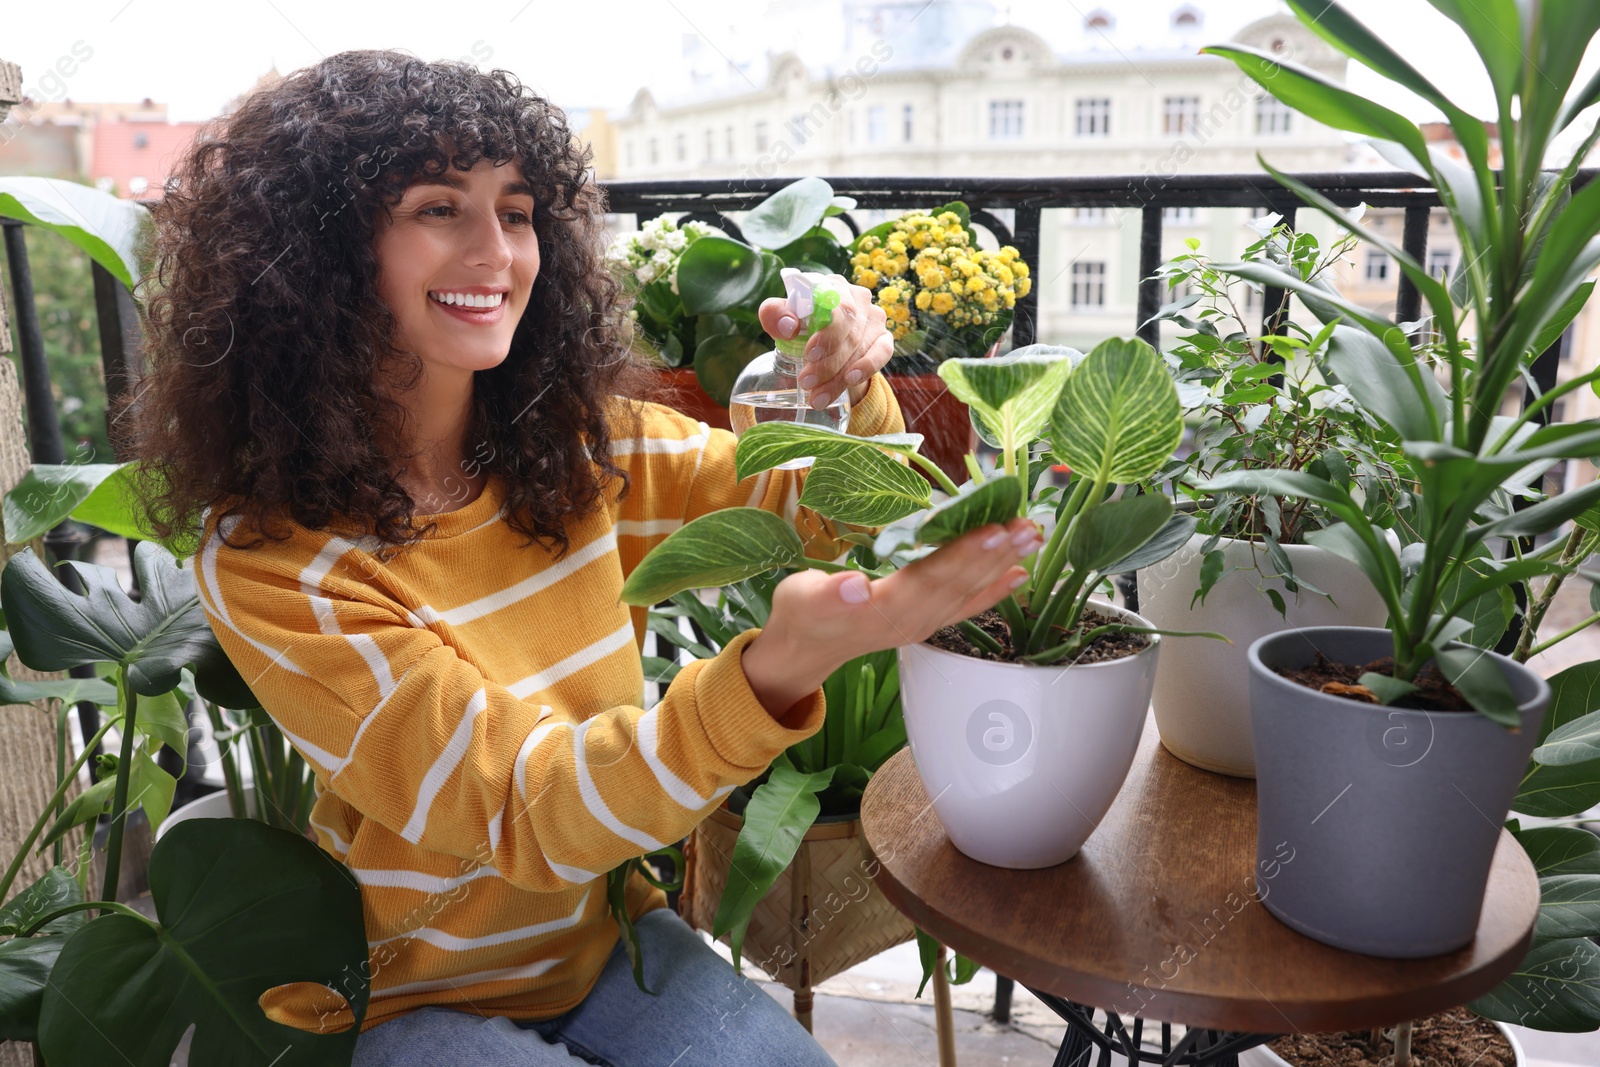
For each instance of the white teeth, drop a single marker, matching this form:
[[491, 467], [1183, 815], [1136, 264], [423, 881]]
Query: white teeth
[[475, 300]]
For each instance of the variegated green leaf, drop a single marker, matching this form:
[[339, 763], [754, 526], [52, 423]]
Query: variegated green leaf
[[1106, 533], [997, 500], [868, 489], [767, 444], [714, 550], [1118, 415], [1011, 394]]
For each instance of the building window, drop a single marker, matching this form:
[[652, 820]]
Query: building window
[[1440, 261], [1180, 215], [1089, 284], [906, 114], [877, 125], [761, 137], [1273, 116], [683, 147], [798, 132], [655, 151], [1090, 216], [1181, 115], [1005, 120], [1094, 117], [711, 144], [1377, 269]]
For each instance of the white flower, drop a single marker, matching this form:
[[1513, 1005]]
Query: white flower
[[646, 273]]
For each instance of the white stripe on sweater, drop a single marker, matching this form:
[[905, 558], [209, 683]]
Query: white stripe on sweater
[[206, 565], [418, 880], [455, 943], [649, 738], [454, 752], [621, 637], [627, 446], [595, 803], [646, 527], [476, 609]]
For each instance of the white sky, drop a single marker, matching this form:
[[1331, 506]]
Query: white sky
[[196, 54]]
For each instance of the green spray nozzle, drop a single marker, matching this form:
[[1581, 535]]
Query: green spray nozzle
[[823, 301]]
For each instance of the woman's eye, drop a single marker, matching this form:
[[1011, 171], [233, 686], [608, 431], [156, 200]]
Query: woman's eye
[[517, 218], [438, 211]]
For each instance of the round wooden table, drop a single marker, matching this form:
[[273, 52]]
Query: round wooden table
[[1158, 917]]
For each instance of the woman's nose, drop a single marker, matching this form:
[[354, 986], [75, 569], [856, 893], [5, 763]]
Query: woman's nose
[[488, 245]]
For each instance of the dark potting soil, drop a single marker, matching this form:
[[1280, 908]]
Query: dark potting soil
[[1106, 647], [1456, 1038], [1433, 693]]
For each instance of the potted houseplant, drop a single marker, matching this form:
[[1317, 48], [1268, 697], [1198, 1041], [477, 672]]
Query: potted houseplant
[[1257, 401], [781, 871], [243, 907], [1376, 748], [702, 313], [982, 704], [944, 297]]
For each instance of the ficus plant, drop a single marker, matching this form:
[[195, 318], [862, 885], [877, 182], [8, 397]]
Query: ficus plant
[[1527, 248]]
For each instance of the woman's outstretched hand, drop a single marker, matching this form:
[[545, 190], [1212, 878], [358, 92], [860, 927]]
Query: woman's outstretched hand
[[821, 621], [845, 355]]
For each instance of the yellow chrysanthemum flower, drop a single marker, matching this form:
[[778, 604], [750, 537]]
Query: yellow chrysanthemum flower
[[868, 278]]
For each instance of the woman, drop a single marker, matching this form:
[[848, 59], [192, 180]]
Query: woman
[[387, 380]]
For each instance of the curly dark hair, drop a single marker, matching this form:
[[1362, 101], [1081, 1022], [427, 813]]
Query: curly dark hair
[[265, 333]]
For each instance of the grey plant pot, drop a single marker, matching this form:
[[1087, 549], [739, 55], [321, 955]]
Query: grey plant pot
[[1381, 822]]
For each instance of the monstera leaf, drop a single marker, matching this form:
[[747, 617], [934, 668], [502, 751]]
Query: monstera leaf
[[154, 638], [25, 962], [243, 908]]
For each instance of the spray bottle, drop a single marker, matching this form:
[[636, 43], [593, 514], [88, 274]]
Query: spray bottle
[[769, 388]]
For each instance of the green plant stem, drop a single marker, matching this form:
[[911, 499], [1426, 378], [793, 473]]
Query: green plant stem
[[1578, 548], [1560, 637], [46, 818], [938, 474], [973, 469], [260, 780], [1049, 562], [976, 635], [61, 772], [230, 761], [128, 700], [294, 780], [1016, 621], [83, 905]]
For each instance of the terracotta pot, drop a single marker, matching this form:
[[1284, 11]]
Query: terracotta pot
[[679, 389], [929, 408]]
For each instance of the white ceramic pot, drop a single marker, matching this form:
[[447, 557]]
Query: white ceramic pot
[[1022, 761], [1202, 694], [1262, 1056], [210, 806]]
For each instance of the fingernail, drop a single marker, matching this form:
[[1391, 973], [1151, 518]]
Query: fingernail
[[788, 326], [819, 400], [853, 377], [808, 381], [1018, 580], [995, 540], [1024, 535], [853, 590]]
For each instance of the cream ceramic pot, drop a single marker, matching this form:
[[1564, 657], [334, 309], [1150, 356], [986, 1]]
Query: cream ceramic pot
[[1202, 694], [1022, 761]]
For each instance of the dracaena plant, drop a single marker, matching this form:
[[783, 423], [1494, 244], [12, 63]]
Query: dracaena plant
[[1528, 245], [1260, 403], [1111, 416]]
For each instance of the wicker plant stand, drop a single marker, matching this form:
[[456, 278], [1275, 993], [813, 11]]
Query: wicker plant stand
[[823, 915]]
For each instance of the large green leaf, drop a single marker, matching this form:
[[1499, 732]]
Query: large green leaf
[[1556, 987], [767, 444], [1376, 559], [817, 247], [1171, 537], [47, 495], [106, 227], [55, 889], [154, 637], [1569, 906], [1480, 680], [1117, 416], [25, 962], [1323, 100], [787, 214], [868, 489], [1012, 394], [244, 907], [1575, 742], [67, 690], [718, 359], [1557, 792], [780, 811], [1560, 849], [716, 273], [713, 550], [997, 500], [1107, 532]]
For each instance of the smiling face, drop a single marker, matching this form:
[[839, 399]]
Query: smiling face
[[457, 257]]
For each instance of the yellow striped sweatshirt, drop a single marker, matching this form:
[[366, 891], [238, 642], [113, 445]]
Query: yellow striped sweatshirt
[[471, 709]]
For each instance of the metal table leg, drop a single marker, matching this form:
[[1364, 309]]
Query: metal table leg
[[1198, 1047]]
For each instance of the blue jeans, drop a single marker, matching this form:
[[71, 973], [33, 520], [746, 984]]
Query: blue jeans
[[704, 1015]]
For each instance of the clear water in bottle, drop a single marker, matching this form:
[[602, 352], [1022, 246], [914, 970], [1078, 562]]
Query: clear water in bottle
[[782, 405]]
